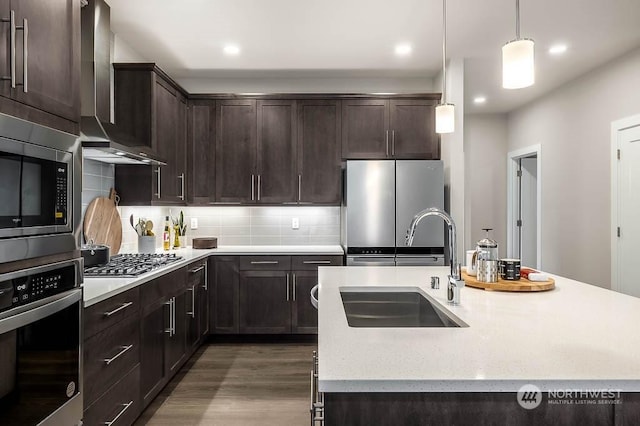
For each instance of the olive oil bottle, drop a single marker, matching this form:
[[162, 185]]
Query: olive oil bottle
[[166, 235]]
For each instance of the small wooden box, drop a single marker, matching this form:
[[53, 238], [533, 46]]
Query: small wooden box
[[205, 243]]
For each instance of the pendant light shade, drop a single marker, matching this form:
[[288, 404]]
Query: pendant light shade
[[445, 113], [445, 118], [518, 68]]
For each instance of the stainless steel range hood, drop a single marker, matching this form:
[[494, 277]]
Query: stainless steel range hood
[[102, 140]]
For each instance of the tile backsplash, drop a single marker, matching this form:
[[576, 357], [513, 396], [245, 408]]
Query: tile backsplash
[[243, 225], [97, 179]]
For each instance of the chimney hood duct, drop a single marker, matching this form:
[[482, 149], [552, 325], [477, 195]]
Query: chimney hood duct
[[102, 140]]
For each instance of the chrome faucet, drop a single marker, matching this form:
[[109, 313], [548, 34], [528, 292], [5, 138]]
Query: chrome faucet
[[455, 278]]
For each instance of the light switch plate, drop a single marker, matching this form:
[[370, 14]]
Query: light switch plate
[[295, 223], [194, 223]]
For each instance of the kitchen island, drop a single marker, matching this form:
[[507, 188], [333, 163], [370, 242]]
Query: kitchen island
[[576, 337]]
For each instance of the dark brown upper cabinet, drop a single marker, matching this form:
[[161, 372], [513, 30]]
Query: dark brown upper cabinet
[[276, 180], [46, 72], [152, 108], [319, 151], [389, 128], [236, 151], [201, 152]]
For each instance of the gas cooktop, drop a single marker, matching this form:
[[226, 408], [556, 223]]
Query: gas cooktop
[[131, 265]]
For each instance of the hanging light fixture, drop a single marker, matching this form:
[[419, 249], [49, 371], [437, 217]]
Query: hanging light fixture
[[518, 60], [445, 113]]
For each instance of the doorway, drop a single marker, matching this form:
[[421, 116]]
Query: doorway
[[523, 203], [625, 204]]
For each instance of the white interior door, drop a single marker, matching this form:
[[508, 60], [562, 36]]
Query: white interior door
[[629, 210], [528, 211]]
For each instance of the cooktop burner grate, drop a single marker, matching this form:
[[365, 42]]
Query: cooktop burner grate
[[131, 265]]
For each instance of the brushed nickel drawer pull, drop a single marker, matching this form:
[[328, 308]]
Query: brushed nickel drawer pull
[[118, 355], [121, 307], [115, 419], [317, 262], [198, 269], [206, 277], [264, 262], [192, 312]]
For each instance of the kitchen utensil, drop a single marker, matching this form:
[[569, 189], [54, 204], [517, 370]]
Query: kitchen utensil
[[509, 269], [470, 262], [148, 225], [522, 285], [486, 259], [204, 243], [146, 244], [95, 254], [102, 223]]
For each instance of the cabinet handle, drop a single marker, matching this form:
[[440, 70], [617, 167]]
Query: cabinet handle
[[294, 287], [115, 419], [192, 313], [181, 177], [386, 139], [259, 186], [118, 355], [12, 48], [171, 330], [118, 309], [158, 181], [173, 316], [287, 286], [206, 277], [198, 269], [299, 187], [317, 262], [25, 54], [253, 188], [393, 143], [264, 262]]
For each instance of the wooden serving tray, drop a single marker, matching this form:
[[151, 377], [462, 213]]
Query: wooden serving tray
[[522, 285]]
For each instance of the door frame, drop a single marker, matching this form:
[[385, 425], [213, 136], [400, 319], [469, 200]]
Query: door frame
[[616, 127], [512, 198]]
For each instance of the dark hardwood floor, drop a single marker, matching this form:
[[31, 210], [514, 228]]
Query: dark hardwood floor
[[235, 384]]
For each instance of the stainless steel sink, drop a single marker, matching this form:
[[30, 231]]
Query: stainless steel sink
[[394, 307]]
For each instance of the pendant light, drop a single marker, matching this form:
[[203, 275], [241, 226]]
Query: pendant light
[[445, 113], [518, 60]]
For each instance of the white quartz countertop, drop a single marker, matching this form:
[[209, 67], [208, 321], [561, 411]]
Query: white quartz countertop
[[576, 336], [99, 289]]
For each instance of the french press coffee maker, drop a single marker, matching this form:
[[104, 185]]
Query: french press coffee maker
[[486, 259]]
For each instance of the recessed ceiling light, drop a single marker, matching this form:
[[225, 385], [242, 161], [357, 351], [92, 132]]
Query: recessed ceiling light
[[479, 100], [403, 49], [231, 49], [558, 49]]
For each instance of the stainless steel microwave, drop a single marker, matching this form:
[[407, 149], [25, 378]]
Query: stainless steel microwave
[[40, 184]]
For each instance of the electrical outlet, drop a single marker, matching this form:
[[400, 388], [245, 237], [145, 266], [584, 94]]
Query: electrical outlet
[[295, 223], [194, 223]]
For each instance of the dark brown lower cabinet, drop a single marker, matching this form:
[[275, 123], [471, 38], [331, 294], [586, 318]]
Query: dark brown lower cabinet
[[197, 311], [121, 405], [265, 302], [225, 284], [304, 317], [152, 337]]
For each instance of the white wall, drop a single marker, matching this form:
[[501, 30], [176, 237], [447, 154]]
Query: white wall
[[573, 126], [486, 142]]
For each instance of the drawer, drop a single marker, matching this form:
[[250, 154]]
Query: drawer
[[109, 355], [265, 263], [311, 263], [196, 273], [164, 286], [111, 311], [120, 405]]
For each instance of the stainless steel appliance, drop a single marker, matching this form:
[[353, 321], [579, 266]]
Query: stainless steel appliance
[[41, 345], [486, 259], [131, 265], [381, 198], [40, 184]]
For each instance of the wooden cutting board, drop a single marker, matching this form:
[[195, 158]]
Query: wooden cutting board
[[102, 222], [523, 284]]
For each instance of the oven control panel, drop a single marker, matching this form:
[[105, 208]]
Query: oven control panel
[[30, 288]]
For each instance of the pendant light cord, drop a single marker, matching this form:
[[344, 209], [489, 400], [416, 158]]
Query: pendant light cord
[[517, 19], [444, 51]]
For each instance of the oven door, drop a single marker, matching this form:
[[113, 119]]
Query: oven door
[[40, 362], [35, 190]]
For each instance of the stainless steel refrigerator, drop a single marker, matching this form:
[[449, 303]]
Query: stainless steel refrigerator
[[381, 197]]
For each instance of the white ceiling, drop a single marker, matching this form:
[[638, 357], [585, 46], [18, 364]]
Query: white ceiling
[[351, 38]]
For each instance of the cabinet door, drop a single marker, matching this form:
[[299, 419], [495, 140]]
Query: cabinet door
[[304, 317], [53, 64], [319, 152], [235, 151], [154, 324], [192, 317], [265, 305], [203, 304], [201, 152], [5, 61], [224, 295], [413, 129], [365, 125], [180, 149], [276, 155], [175, 345], [166, 128]]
